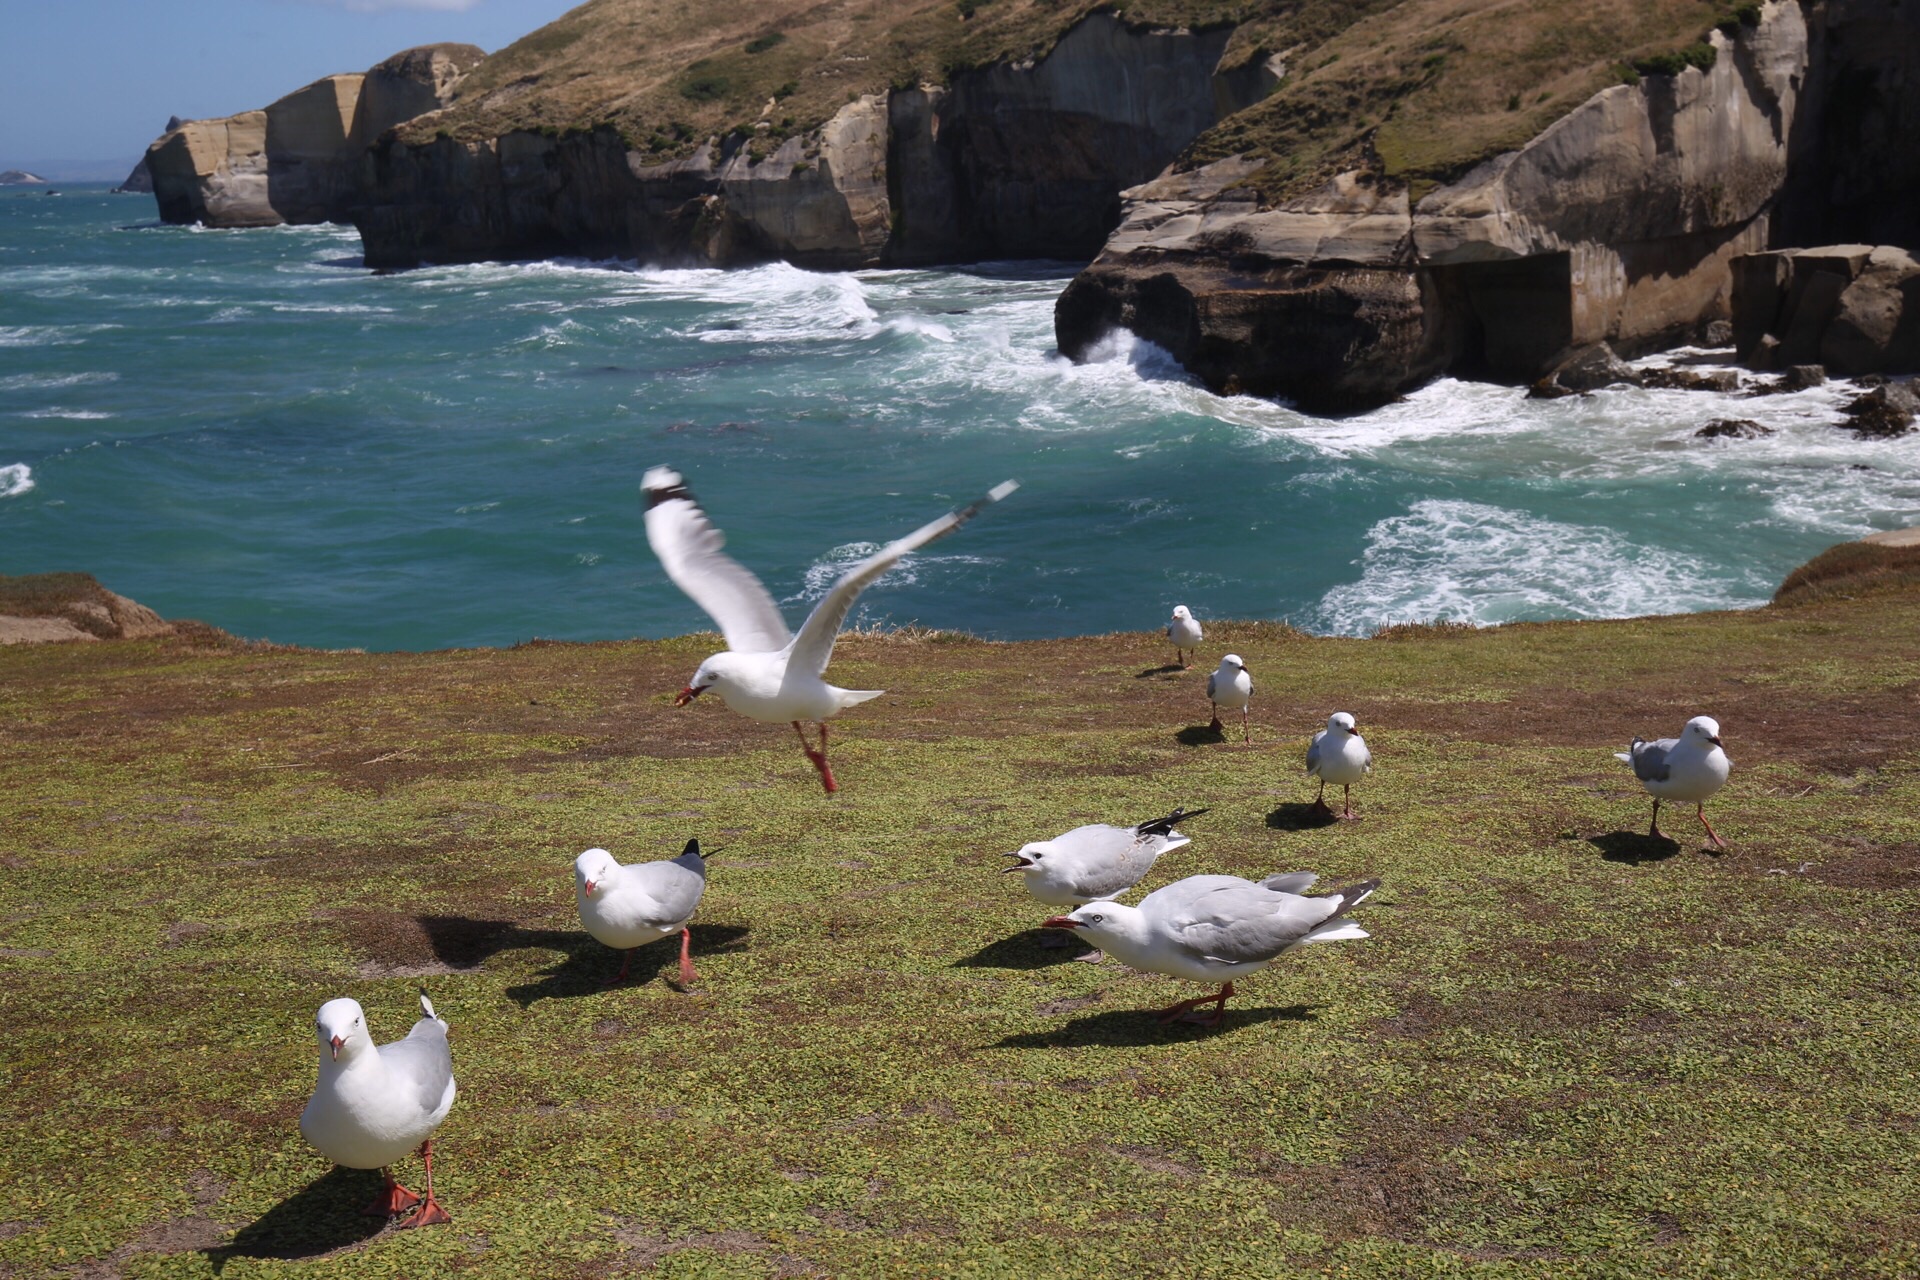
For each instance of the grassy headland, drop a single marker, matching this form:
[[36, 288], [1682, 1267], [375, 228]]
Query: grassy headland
[[1419, 90], [1567, 1050]]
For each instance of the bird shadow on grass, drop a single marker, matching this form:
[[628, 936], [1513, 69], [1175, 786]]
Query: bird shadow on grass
[[463, 942], [1301, 817], [1167, 670], [589, 966], [1199, 734], [1634, 848], [322, 1217], [1021, 951], [1143, 1027]]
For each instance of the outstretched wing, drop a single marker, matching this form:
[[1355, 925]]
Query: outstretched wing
[[813, 647], [689, 548]]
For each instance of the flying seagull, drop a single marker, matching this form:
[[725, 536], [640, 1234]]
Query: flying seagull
[[628, 907], [1689, 767], [1218, 928], [767, 673], [1185, 633], [1338, 755], [1098, 861], [376, 1103], [1230, 687]]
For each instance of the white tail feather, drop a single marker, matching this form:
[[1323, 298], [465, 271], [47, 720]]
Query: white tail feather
[[1340, 932], [1624, 757]]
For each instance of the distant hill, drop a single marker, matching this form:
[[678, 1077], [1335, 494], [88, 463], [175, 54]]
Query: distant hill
[[21, 178]]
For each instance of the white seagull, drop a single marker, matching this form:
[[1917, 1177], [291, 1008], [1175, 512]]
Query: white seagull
[[375, 1104], [1094, 862], [1690, 767], [1218, 928], [1230, 687], [1338, 755], [628, 907], [1185, 633], [767, 673]]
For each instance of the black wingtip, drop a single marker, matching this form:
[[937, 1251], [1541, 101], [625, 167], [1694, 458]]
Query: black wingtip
[[1164, 826], [1350, 896], [693, 847]]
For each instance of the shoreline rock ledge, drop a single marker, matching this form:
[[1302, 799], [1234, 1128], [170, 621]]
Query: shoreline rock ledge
[[1618, 223]]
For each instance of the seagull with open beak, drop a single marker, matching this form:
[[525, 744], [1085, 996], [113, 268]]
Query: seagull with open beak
[[1094, 862]]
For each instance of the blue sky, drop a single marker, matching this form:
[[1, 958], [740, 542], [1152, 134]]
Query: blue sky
[[90, 83]]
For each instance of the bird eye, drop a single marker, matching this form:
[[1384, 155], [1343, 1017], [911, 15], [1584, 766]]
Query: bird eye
[[1095, 919]]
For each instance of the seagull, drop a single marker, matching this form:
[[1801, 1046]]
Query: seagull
[[1185, 634], [1218, 928], [628, 907], [1094, 862], [1337, 754], [375, 1104], [766, 673], [1689, 767], [1230, 687]]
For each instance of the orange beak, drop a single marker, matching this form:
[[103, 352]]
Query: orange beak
[[337, 1042], [1059, 922], [590, 885], [685, 696]]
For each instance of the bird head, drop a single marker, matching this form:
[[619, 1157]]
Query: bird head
[[714, 671], [1100, 921], [1703, 729], [1029, 857], [341, 1029], [592, 870], [1343, 722], [1232, 662], [1181, 613]]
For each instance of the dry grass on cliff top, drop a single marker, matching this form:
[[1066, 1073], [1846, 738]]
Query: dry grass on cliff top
[[1566, 1050], [1431, 85]]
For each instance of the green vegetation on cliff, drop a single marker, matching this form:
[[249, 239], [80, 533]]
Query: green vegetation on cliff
[[1419, 90], [1566, 1050]]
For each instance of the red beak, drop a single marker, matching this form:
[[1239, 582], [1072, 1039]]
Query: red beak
[[337, 1042], [685, 696], [1060, 922], [590, 885]]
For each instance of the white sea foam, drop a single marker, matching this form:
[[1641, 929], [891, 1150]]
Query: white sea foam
[[829, 568], [53, 381], [15, 479], [49, 335], [1449, 559]]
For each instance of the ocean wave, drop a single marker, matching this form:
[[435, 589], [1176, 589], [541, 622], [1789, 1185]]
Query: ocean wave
[[15, 479], [49, 335], [75, 415], [1455, 560], [54, 381]]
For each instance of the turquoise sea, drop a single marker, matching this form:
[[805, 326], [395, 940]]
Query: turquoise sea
[[250, 428]]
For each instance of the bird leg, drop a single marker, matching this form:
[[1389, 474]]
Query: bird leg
[[687, 975], [1216, 726], [1186, 663], [819, 758], [1245, 734], [1654, 831], [429, 1211], [626, 962], [1346, 805], [393, 1199], [1183, 1012], [1701, 811], [1320, 804]]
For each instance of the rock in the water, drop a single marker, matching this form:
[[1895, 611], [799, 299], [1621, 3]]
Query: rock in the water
[[1721, 380], [1587, 368], [1733, 429], [1801, 376], [1884, 412], [1852, 308]]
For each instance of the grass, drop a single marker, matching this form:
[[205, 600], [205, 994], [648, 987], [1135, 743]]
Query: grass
[[1567, 1050], [1417, 91]]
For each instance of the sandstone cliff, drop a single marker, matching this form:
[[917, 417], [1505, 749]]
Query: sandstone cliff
[[304, 158]]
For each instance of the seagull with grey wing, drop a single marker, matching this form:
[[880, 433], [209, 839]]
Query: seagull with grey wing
[[1691, 767], [766, 672], [1338, 754], [375, 1103], [628, 907], [1230, 686], [1095, 862], [1185, 634], [1218, 928]]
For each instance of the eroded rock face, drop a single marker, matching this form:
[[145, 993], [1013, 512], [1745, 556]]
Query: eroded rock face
[[1853, 308], [1617, 224], [1015, 160], [302, 159]]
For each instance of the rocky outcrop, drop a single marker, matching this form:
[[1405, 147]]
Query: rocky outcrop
[[304, 158], [1011, 160], [1616, 224], [1853, 308], [138, 182], [37, 608]]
